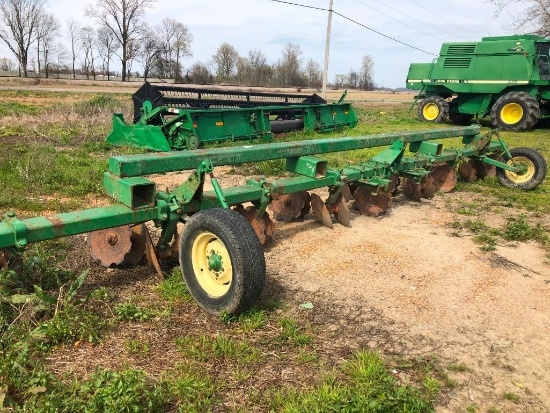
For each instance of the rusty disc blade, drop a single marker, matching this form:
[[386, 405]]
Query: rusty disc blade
[[320, 211], [138, 245], [444, 177], [341, 211], [412, 189], [467, 171], [287, 207], [151, 254], [484, 170], [428, 187], [371, 204], [307, 203], [110, 245], [346, 193], [394, 185], [263, 226]]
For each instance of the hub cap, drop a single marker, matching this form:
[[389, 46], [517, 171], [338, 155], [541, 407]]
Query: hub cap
[[521, 178], [430, 111], [511, 113], [212, 264]]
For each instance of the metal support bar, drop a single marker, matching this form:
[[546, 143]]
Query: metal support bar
[[136, 165]]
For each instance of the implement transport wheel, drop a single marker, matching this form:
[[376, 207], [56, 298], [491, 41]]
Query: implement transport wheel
[[263, 227], [222, 261], [444, 177], [534, 169], [433, 109], [517, 111]]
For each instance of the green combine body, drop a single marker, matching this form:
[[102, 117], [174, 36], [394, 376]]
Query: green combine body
[[505, 77]]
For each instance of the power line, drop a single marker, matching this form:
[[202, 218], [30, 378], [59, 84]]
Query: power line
[[398, 21], [300, 5], [382, 34], [412, 18], [355, 22], [441, 17]]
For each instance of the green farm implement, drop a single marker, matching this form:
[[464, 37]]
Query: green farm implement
[[506, 78], [220, 247], [174, 118]]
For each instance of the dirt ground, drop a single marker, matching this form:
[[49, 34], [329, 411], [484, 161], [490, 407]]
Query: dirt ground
[[431, 292]]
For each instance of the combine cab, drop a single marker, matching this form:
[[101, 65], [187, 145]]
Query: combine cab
[[507, 78]]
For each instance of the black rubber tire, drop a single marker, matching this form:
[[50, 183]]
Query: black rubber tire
[[531, 111], [462, 119], [535, 160], [244, 250], [442, 106]]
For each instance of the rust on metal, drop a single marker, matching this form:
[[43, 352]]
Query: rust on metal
[[320, 211], [444, 177], [110, 245], [290, 206], [371, 204], [263, 226]]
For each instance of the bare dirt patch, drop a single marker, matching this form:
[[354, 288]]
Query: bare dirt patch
[[401, 284]]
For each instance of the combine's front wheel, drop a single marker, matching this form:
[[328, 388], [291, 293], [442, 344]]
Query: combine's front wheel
[[533, 167], [517, 111], [433, 109], [222, 261]]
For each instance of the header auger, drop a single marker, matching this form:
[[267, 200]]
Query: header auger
[[220, 248]]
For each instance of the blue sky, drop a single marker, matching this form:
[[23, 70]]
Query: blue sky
[[268, 26]]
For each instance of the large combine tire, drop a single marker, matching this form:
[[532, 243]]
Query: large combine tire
[[222, 261], [535, 169], [517, 111], [433, 109]]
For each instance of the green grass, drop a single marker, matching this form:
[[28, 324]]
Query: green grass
[[56, 166]]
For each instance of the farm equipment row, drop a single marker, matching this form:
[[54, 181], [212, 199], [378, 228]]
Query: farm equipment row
[[220, 248], [175, 118]]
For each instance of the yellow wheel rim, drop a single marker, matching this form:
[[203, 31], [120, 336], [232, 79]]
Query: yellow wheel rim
[[523, 177], [211, 264], [511, 113], [430, 111]]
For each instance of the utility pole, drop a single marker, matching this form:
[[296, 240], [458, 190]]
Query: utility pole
[[327, 48]]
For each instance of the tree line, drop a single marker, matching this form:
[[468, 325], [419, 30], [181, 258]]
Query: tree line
[[40, 43]]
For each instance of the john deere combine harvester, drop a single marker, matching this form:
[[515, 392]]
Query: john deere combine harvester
[[505, 77], [220, 248], [175, 117]]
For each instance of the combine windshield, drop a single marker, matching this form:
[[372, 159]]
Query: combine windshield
[[543, 52]]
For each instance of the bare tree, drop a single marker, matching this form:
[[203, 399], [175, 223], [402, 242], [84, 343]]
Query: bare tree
[[353, 79], [199, 73], [340, 80], [106, 47], [366, 75], [225, 62], [73, 30], [289, 66], [314, 74], [176, 45], [88, 39], [122, 17], [20, 19], [150, 50], [45, 35], [534, 19], [7, 65], [258, 67], [59, 55]]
